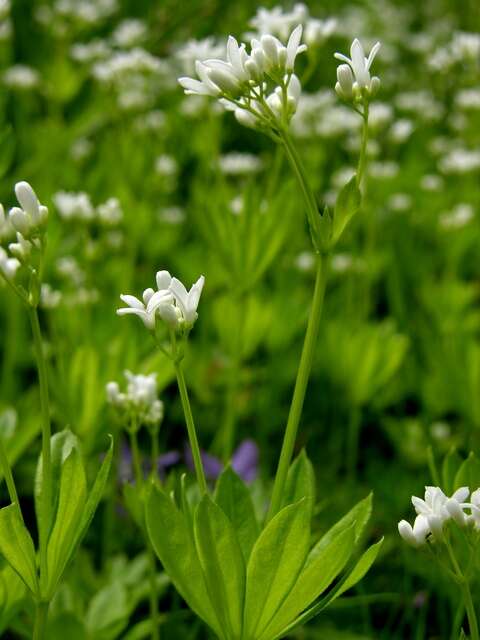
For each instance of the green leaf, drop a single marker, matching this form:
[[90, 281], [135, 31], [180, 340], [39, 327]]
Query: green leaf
[[275, 563], [357, 573], [300, 482], [347, 205], [450, 466], [359, 514], [96, 493], [469, 473], [71, 503], [316, 576], [133, 503], [233, 497], [16, 546], [222, 563], [173, 544], [61, 444], [108, 612], [324, 230]]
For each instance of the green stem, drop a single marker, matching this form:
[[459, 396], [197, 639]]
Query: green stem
[[46, 502], [299, 171], [303, 375], [41, 615], [362, 160], [7, 474], [154, 452], [467, 594], [192, 434]]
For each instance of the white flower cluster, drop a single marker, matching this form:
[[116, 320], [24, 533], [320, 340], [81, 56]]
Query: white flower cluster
[[21, 77], [354, 81], [139, 402], [29, 222], [280, 23], [74, 206], [435, 510], [241, 81], [176, 306]]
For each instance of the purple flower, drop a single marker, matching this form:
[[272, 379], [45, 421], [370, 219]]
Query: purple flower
[[244, 462]]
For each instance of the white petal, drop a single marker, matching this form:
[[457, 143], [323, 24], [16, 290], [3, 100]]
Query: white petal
[[180, 293], [132, 301], [163, 279]]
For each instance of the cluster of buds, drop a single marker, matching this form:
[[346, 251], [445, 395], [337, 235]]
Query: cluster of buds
[[29, 222], [139, 404], [171, 303], [354, 82], [243, 82], [435, 510]]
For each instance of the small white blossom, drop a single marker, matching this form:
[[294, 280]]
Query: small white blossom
[[74, 206], [353, 78], [21, 77], [139, 402], [31, 216], [416, 536], [317, 31], [8, 266]]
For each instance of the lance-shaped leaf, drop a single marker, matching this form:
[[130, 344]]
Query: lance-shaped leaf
[[222, 563], [469, 473], [300, 481], [358, 515], [61, 444], [233, 497], [16, 546], [316, 576], [450, 466], [275, 563], [71, 503], [356, 574], [173, 544], [347, 205]]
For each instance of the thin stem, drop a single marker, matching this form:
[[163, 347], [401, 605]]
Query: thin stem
[[46, 502], [362, 160], [154, 452], [467, 595], [41, 615], [7, 474], [192, 434], [309, 196], [301, 383]]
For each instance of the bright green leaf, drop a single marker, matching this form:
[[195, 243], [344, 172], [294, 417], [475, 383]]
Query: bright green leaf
[[222, 563], [347, 205], [173, 544], [71, 503], [16, 546], [234, 499], [316, 576], [469, 473], [275, 563], [359, 514], [300, 481]]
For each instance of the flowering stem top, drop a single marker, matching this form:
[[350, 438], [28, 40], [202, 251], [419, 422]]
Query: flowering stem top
[[244, 81]]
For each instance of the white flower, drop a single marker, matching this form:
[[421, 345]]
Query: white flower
[[187, 301], [138, 308], [416, 535], [353, 78], [21, 249], [32, 216], [317, 31], [8, 266], [140, 399], [238, 79], [74, 206]]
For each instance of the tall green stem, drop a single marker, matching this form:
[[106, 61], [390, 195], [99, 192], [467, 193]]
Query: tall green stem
[[362, 160], [137, 465], [301, 383], [46, 502], [192, 434], [311, 335], [467, 594], [41, 615]]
